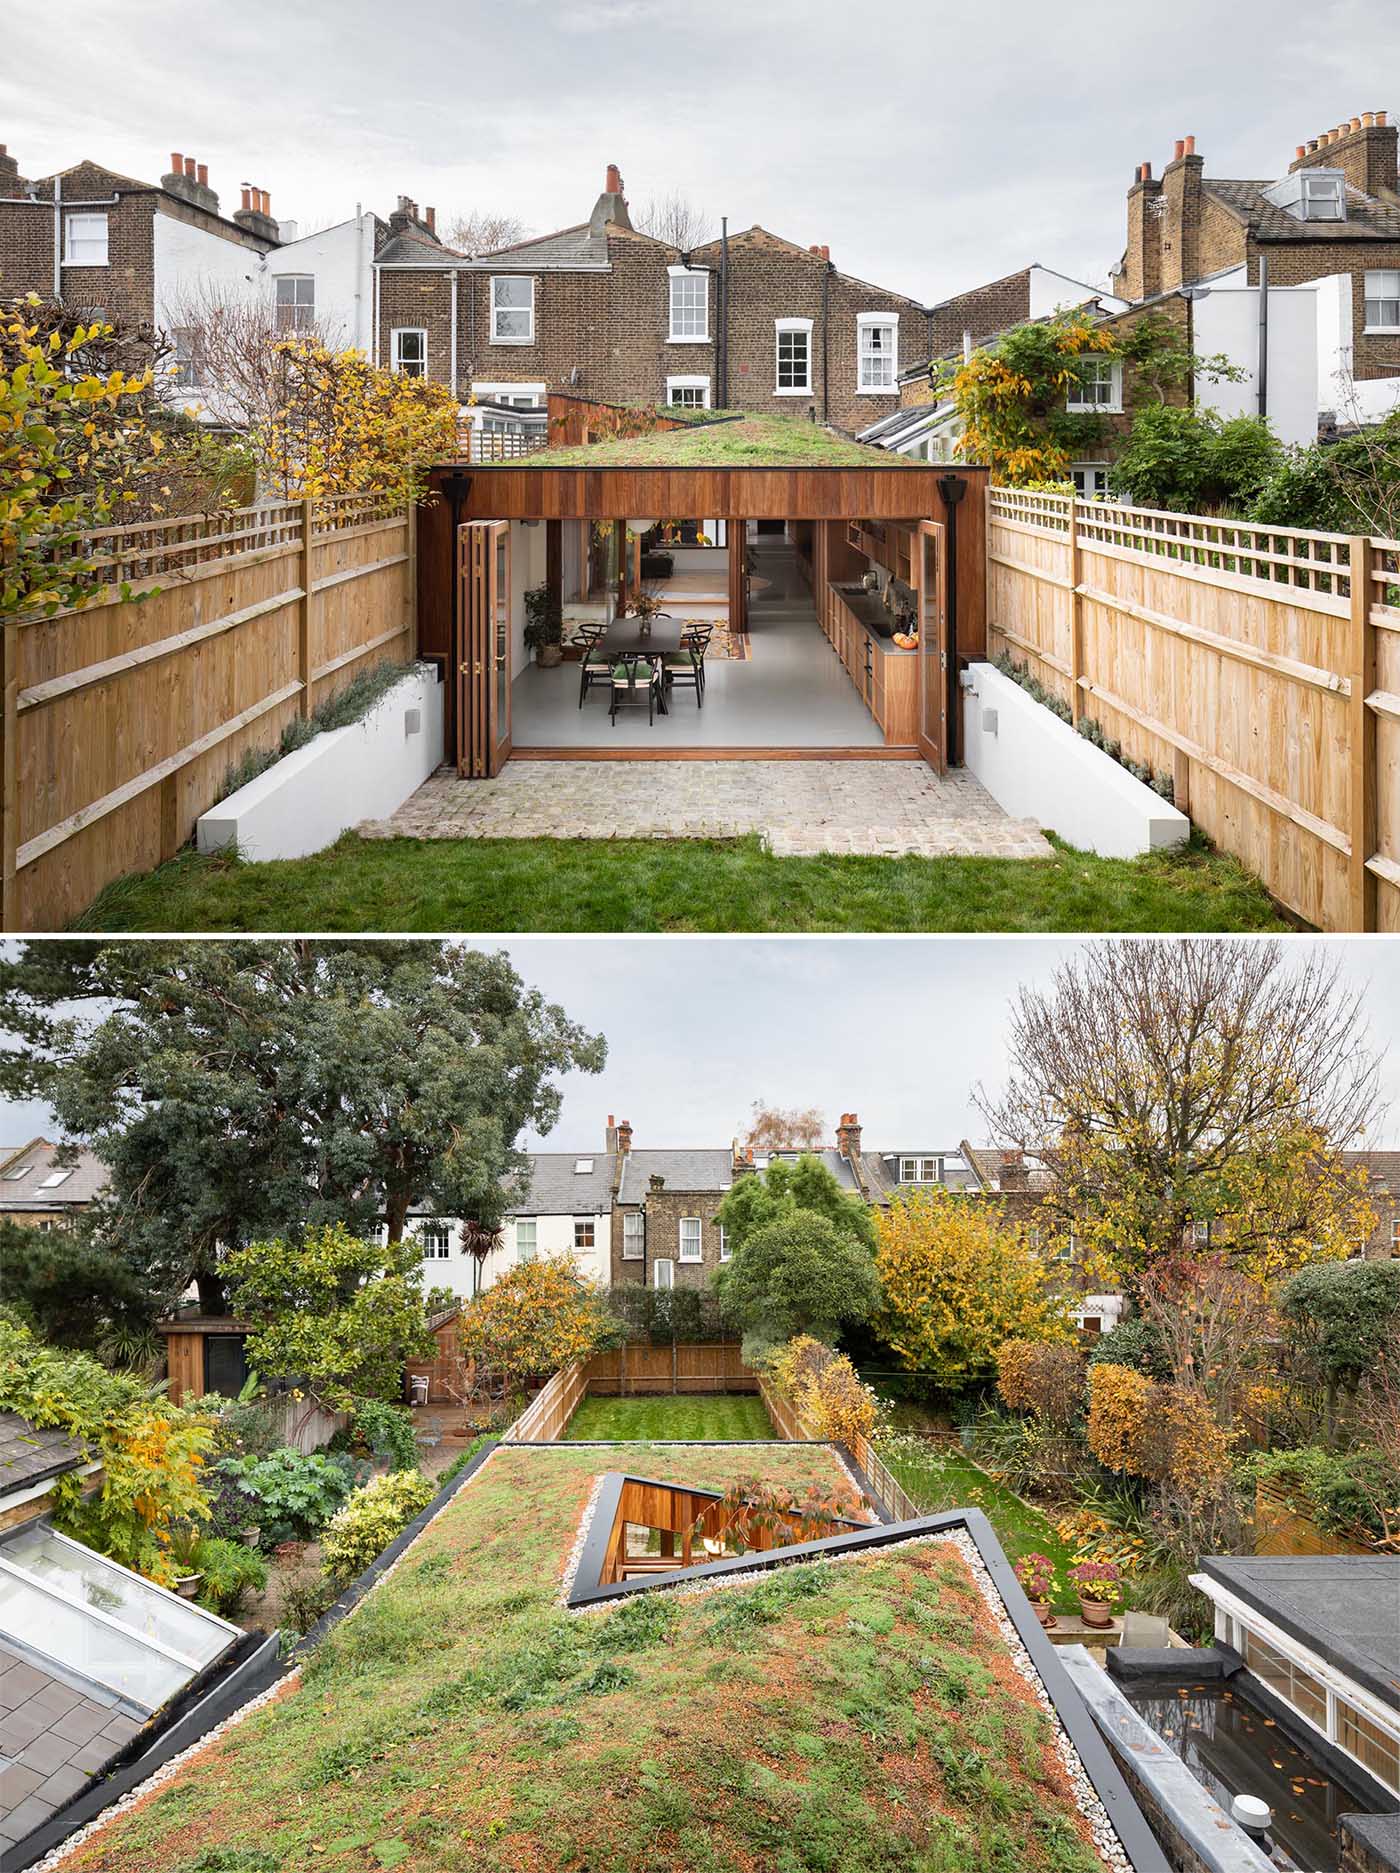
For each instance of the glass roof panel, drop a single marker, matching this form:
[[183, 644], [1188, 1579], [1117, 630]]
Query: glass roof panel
[[104, 1654]]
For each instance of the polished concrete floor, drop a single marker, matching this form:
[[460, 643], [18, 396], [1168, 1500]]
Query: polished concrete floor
[[792, 692]]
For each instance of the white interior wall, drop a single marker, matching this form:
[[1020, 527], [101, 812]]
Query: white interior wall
[[527, 565]]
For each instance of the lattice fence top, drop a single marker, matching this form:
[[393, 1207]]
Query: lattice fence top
[[149, 549], [1311, 562], [1050, 511]]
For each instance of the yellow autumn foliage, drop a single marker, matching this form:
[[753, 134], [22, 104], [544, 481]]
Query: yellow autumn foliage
[[959, 1280]]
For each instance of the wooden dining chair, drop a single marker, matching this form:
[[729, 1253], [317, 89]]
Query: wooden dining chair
[[594, 671], [685, 668], [635, 679]]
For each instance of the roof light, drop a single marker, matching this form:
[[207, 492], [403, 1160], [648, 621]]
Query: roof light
[[54, 1179], [582, 1166]]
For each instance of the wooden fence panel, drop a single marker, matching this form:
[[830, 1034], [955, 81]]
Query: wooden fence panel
[[1245, 662], [121, 721], [686, 1368]]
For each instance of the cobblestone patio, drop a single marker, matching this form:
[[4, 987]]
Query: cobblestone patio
[[889, 808]]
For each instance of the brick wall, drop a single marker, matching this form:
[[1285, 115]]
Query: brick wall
[[612, 328], [662, 1210], [983, 311]]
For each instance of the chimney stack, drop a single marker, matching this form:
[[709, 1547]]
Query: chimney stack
[[848, 1137], [190, 181], [1363, 148], [742, 1160], [255, 216], [613, 185], [1013, 1175], [9, 173], [430, 216]]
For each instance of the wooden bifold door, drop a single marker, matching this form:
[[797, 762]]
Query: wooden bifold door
[[482, 652]]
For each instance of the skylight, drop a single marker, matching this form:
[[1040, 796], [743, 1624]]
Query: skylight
[[54, 1179], [582, 1166], [96, 1618], [13, 1177]]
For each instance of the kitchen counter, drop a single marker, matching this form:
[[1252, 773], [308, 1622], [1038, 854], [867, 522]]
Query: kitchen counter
[[886, 676]]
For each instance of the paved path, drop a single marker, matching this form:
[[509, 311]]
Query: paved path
[[801, 807]]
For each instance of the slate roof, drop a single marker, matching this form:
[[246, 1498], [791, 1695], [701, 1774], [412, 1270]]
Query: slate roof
[[1367, 219], [55, 1735], [557, 1189], [87, 1179], [412, 248], [582, 246], [1384, 1166], [682, 1170], [29, 1455], [1344, 1607]]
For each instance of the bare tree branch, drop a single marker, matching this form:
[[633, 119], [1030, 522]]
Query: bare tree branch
[[485, 231], [675, 219]]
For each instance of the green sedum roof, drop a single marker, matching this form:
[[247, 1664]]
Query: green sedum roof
[[725, 439]]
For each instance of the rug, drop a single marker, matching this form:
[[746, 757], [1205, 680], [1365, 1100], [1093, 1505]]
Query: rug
[[728, 646]]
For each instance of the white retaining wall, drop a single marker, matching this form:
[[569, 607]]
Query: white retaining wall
[[366, 771], [1037, 767]]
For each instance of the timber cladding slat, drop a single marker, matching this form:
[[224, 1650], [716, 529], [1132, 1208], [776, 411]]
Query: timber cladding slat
[[1235, 659], [123, 720]]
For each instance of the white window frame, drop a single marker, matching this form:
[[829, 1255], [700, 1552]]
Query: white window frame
[[684, 1253], [1076, 401], [86, 222], [724, 1249], [1328, 203], [514, 394], [1087, 469], [1384, 299], [634, 1236], [397, 362], [918, 1176], [870, 321], [52, 1179], [527, 1250], [1395, 1233], [294, 305], [665, 1281], [781, 327], [588, 1224], [1234, 1617], [702, 384], [512, 338], [673, 337], [436, 1241]]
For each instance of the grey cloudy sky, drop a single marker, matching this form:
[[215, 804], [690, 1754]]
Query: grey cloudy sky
[[897, 1029], [933, 146]]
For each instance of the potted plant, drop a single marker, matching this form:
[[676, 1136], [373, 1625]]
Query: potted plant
[[544, 627], [1036, 1573], [184, 1552], [1100, 1590]]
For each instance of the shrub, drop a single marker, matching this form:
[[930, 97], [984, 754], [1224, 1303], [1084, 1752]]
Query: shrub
[[386, 1431], [1337, 1492], [370, 1520], [1041, 1377], [230, 1573], [1123, 1421], [830, 1395], [1135, 1343], [538, 1317], [291, 1496]]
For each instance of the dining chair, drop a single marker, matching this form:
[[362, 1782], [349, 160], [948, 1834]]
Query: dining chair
[[686, 667], [594, 671], [635, 679]]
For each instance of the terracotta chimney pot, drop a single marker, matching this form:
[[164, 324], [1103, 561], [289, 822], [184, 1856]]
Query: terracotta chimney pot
[[247, 200], [1180, 150], [1368, 118], [1301, 151], [177, 163], [202, 175], [1190, 146], [1356, 123], [189, 167], [613, 185], [1381, 119], [430, 216]]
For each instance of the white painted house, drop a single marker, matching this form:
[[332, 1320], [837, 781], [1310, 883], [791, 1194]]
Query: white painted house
[[567, 1209]]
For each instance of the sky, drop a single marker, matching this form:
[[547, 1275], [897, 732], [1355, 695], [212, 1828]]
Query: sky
[[933, 147], [898, 1030]]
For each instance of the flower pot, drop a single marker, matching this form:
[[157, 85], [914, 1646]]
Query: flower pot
[[1044, 1612], [187, 1585], [1095, 1612], [549, 656], [249, 1537]]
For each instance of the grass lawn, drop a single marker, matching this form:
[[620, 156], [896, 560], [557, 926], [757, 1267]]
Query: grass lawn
[[939, 1478], [724, 1415], [680, 885], [857, 1715]]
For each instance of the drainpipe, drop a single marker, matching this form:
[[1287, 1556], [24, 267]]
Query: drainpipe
[[374, 301], [452, 346], [1263, 334], [952, 488], [58, 237], [722, 361], [360, 278], [826, 345]]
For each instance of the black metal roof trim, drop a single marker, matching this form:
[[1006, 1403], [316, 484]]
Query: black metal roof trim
[[1139, 1843]]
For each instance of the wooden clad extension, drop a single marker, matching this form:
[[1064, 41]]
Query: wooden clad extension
[[121, 720], [1260, 667]]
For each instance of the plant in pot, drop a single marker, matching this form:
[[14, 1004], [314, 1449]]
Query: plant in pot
[[1036, 1573], [544, 627], [184, 1554], [1100, 1591]]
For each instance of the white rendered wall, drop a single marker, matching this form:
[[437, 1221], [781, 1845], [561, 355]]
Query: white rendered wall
[[1039, 768], [554, 1236], [1051, 292], [1227, 320], [304, 802], [339, 260]]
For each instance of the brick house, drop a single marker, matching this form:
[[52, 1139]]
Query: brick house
[[1331, 221], [1383, 1188], [40, 1192], [151, 255], [753, 322]]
